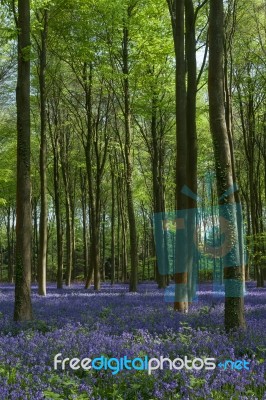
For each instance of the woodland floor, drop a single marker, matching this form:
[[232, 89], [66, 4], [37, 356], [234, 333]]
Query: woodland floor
[[114, 323]]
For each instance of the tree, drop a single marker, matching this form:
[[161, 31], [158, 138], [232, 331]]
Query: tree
[[128, 152], [54, 133], [23, 308], [233, 272], [42, 17], [186, 144]]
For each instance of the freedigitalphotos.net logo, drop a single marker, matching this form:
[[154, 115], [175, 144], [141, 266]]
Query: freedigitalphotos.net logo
[[139, 364], [237, 365], [213, 233], [117, 365]]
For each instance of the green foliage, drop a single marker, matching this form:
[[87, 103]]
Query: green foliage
[[8, 372], [69, 386]]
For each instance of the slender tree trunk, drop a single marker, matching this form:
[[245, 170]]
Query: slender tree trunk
[[35, 243], [230, 25], [43, 163], [59, 229], [119, 236], [113, 229], [248, 232], [84, 223], [103, 247], [158, 195], [69, 240], [23, 307], [64, 157], [73, 244], [123, 234], [192, 150], [9, 246], [181, 273], [13, 233], [145, 240], [123, 259], [128, 162], [94, 183], [233, 274]]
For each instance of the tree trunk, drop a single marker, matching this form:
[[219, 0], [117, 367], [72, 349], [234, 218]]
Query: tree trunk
[[35, 243], [122, 253], [43, 163], [59, 231], [192, 150], [23, 308], [234, 272], [64, 157], [73, 244], [84, 223], [103, 247], [69, 240], [128, 163], [94, 182], [9, 246], [113, 229], [158, 194], [177, 8]]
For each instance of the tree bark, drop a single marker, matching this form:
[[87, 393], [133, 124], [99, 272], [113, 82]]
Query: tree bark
[[23, 307], [9, 246], [95, 151], [234, 302], [192, 150], [94, 201], [186, 153], [42, 256], [84, 223], [177, 9], [113, 227], [128, 163], [59, 229], [69, 232], [35, 241], [54, 134], [158, 194]]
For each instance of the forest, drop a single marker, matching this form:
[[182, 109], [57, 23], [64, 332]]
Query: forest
[[132, 198]]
